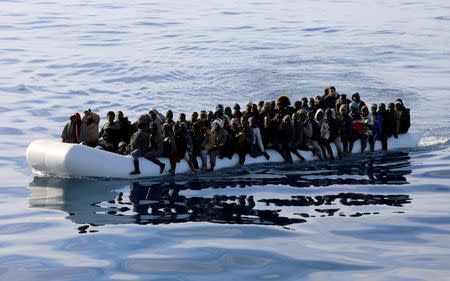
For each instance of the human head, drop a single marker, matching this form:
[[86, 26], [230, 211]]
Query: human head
[[267, 106], [210, 114], [319, 114], [255, 108], [169, 114], [75, 117], [343, 110], [227, 111], [364, 111], [194, 116], [203, 114], [236, 107], [282, 102], [110, 116], [122, 146], [304, 101], [249, 106], [182, 117], [332, 90], [217, 124], [219, 107], [152, 112], [234, 122], [373, 108], [143, 118], [119, 115], [356, 98], [391, 106]]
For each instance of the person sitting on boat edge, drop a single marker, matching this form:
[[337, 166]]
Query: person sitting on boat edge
[[75, 130], [257, 147], [330, 116], [367, 129], [403, 117], [219, 136], [392, 120], [140, 147], [324, 135], [170, 147]]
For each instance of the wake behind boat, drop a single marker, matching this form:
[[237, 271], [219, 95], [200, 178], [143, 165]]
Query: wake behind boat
[[53, 158]]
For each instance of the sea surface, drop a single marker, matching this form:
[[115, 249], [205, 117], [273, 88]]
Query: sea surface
[[379, 216]]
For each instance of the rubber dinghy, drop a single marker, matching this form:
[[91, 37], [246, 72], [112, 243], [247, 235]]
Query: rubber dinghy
[[53, 158]]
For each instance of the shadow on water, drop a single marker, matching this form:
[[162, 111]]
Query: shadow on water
[[266, 195]]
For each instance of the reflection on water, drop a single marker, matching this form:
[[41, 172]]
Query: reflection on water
[[168, 200]]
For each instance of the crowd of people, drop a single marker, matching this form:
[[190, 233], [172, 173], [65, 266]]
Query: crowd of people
[[313, 124]]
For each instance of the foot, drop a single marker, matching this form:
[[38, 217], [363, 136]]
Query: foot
[[266, 155], [135, 172], [171, 171], [161, 168]]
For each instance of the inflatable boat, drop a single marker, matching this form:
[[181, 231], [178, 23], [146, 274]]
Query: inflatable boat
[[54, 158]]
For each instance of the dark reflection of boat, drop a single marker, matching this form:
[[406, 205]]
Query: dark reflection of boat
[[97, 202]]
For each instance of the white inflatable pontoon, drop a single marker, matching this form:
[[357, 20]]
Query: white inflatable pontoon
[[53, 158]]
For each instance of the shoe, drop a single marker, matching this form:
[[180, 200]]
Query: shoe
[[161, 168], [172, 172], [266, 155]]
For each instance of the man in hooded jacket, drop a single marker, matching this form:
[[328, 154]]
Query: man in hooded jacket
[[75, 131]]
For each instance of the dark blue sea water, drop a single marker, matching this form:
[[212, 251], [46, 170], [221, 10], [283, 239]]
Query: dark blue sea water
[[371, 217]]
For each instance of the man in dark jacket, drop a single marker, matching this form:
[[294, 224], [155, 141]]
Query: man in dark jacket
[[403, 117], [139, 147], [126, 128], [109, 133]]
